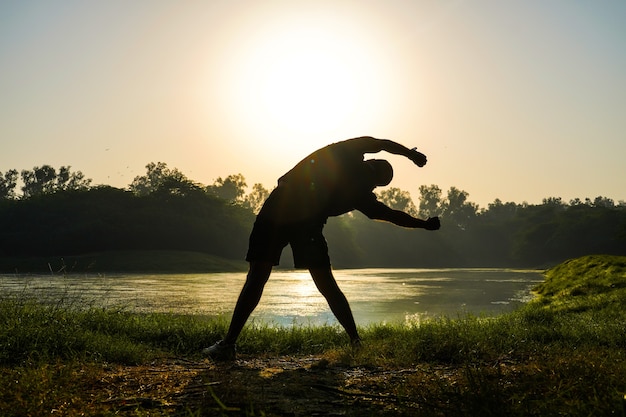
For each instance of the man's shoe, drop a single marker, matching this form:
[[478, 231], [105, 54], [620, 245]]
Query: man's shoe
[[221, 351]]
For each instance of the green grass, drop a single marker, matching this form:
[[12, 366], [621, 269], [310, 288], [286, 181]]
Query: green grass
[[562, 354], [586, 276], [32, 331]]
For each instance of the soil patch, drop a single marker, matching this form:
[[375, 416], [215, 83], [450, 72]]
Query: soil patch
[[252, 386]]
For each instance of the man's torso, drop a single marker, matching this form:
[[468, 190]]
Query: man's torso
[[329, 182]]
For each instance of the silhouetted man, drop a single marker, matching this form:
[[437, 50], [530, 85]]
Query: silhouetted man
[[329, 182]]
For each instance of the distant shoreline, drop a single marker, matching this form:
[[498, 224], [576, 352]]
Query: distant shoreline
[[159, 262], [148, 261]]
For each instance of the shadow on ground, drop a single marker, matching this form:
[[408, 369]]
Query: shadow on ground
[[279, 386]]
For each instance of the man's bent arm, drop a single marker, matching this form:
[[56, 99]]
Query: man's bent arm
[[403, 219], [380, 211]]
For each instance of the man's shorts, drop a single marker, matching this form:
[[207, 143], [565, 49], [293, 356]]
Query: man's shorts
[[308, 245]]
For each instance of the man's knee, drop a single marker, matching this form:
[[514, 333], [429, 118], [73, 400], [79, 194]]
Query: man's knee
[[258, 274], [325, 281]]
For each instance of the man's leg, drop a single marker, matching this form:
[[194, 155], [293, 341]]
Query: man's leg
[[326, 284], [249, 298]]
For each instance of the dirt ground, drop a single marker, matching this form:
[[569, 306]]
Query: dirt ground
[[252, 386]]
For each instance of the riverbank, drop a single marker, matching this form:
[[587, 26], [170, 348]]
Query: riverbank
[[562, 354]]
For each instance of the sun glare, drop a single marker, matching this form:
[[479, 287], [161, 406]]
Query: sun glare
[[305, 287], [308, 87], [304, 77]]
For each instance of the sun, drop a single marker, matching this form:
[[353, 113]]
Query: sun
[[310, 85], [310, 75]]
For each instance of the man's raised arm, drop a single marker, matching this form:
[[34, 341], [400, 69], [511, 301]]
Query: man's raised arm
[[369, 144]]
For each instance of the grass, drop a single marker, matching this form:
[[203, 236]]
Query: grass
[[562, 354], [586, 276]]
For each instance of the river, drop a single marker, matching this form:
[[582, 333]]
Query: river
[[290, 297]]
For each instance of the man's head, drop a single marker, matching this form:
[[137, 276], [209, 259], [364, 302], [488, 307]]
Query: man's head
[[381, 171]]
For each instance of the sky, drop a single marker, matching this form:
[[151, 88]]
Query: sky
[[516, 100]]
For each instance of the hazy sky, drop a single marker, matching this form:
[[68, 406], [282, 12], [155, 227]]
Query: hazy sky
[[517, 100]]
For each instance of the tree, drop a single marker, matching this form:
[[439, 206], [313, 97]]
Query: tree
[[231, 188], [398, 199], [45, 180], [178, 186], [8, 182], [553, 202], [159, 176], [257, 197], [499, 211], [430, 201], [603, 202], [457, 210], [38, 181], [71, 181]]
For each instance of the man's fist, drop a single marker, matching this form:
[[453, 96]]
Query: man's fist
[[432, 223], [417, 157]]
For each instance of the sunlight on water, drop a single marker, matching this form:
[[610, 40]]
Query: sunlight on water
[[291, 298]]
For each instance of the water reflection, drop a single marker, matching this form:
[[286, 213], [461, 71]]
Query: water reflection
[[291, 298]]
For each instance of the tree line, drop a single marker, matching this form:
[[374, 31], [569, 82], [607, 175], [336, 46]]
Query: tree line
[[59, 213]]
